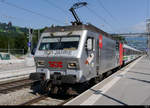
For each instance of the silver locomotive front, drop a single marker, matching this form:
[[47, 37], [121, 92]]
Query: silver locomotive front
[[58, 57]]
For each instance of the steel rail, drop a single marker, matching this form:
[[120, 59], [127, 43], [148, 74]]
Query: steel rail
[[14, 85], [35, 100]]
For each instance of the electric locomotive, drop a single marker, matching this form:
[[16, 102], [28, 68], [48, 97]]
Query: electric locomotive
[[69, 55], [75, 54]]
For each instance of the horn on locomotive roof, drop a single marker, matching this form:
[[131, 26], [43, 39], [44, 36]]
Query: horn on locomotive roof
[[72, 9]]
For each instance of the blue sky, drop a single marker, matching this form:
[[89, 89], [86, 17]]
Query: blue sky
[[117, 17]]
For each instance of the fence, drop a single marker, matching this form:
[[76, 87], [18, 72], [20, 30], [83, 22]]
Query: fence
[[7, 54]]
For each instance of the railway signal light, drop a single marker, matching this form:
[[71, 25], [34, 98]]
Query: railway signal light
[[31, 31]]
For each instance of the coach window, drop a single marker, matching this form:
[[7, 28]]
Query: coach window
[[89, 43]]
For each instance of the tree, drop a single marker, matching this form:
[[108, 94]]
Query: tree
[[119, 38], [21, 43]]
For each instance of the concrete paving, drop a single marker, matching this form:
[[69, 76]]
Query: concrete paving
[[9, 74], [13, 66], [15, 71], [128, 86]]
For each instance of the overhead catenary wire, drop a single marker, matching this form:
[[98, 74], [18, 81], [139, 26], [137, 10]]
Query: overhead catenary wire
[[108, 12], [54, 5], [6, 16], [100, 17], [50, 3], [30, 11]]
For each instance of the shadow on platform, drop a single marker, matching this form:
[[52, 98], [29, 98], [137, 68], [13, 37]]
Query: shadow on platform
[[100, 92]]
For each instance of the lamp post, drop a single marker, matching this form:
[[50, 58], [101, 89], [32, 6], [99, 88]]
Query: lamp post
[[30, 41]]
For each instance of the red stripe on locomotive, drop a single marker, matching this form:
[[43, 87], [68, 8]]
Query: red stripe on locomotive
[[100, 41]]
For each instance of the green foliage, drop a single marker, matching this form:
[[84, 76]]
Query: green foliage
[[16, 37], [21, 43], [14, 42], [8, 28], [119, 38], [12, 36]]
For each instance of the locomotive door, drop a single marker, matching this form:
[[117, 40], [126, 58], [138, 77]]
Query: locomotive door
[[117, 53], [91, 54]]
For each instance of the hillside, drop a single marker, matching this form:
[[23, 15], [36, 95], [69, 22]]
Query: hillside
[[14, 37], [9, 29]]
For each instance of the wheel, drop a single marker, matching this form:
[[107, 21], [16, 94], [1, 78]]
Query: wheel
[[101, 77], [93, 81], [45, 86], [54, 90], [108, 73]]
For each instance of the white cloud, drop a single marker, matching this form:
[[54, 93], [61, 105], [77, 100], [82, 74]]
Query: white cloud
[[137, 28], [140, 27]]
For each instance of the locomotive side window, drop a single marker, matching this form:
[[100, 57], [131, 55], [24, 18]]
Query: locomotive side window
[[89, 43]]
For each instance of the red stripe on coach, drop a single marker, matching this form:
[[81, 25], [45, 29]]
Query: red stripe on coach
[[121, 53]]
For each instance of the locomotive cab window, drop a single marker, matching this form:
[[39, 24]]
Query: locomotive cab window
[[89, 43], [60, 43]]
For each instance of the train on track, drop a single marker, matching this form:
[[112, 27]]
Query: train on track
[[76, 54], [69, 55]]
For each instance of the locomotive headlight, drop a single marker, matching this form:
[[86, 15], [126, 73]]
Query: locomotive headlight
[[72, 65], [40, 63]]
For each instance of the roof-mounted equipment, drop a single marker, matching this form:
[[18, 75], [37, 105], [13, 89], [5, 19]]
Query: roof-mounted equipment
[[72, 9]]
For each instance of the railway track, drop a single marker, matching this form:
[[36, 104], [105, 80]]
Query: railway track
[[35, 100], [44, 97], [62, 103], [14, 85], [6, 87]]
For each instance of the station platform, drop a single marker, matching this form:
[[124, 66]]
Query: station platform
[[15, 71], [128, 86]]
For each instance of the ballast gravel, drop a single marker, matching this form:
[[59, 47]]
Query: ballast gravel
[[17, 97], [23, 95]]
